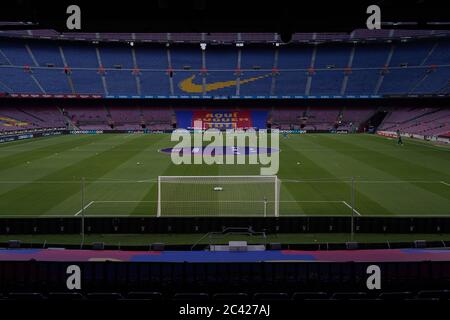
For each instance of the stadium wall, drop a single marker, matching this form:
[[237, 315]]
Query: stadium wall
[[145, 225], [393, 135], [189, 104]]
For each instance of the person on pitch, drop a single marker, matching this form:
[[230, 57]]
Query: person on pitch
[[399, 138]]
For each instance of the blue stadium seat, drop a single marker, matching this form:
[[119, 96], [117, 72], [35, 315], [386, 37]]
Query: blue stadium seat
[[152, 58], [356, 69], [121, 82], [116, 55], [87, 81], [186, 57], [16, 80], [155, 83], [45, 54], [252, 57], [16, 53], [52, 80], [221, 58], [80, 56]]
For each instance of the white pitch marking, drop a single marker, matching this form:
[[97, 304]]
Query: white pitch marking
[[125, 201], [360, 181], [85, 207], [283, 180], [214, 201], [354, 210]]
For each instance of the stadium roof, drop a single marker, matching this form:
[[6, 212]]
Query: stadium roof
[[283, 16], [235, 37]]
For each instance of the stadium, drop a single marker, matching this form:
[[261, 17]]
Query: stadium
[[357, 124]]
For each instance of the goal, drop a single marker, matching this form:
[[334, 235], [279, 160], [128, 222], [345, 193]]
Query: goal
[[218, 196]]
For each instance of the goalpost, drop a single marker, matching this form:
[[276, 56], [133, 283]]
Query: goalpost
[[218, 196]]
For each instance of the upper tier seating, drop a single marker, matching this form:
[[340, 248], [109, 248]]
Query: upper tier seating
[[415, 67]]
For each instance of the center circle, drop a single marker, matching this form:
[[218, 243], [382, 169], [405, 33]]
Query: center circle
[[221, 150]]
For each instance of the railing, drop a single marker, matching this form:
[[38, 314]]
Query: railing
[[229, 38], [231, 231]]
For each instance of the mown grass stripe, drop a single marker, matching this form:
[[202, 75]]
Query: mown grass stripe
[[27, 197], [430, 198], [311, 168]]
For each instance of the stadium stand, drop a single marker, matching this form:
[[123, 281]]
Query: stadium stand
[[422, 121], [321, 119], [215, 37], [15, 118], [155, 119], [105, 213], [354, 117], [424, 295], [126, 118], [413, 67], [89, 118], [419, 121], [287, 119]]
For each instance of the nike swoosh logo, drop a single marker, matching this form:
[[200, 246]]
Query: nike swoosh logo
[[188, 85]]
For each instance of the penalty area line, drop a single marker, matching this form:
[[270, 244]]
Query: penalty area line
[[445, 183], [216, 201], [350, 207], [84, 208]]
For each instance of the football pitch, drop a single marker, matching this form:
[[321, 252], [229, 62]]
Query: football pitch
[[42, 177]]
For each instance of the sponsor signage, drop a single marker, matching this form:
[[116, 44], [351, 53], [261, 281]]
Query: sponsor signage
[[195, 97], [293, 131], [86, 132], [59, 96], [388, 134], [24, 136]]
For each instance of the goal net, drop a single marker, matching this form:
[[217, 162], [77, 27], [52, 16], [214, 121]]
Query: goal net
[[218, 196]]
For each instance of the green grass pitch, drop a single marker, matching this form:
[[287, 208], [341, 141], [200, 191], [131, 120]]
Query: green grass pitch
[[41, 177]]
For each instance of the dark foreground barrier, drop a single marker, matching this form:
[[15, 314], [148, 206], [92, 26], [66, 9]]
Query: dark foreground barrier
[[167, 277], [207, 224]]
